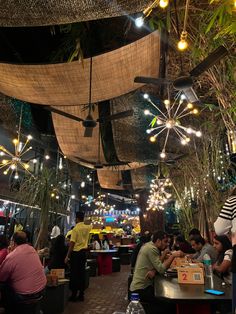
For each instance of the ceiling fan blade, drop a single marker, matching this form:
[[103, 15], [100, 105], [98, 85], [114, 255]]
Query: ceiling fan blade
[[64, 114], [191, 95], [88, 132], [116, 116], [152, 80], [211, 60]]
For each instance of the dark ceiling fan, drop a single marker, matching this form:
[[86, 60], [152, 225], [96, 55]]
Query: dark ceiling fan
[[185, 83], [89, 122]]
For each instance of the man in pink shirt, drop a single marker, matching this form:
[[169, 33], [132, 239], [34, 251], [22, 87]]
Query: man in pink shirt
[[22, 272]]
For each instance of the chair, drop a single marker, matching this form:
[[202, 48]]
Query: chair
[[30, 306], [92, 263], [125, 258], [115, 264]]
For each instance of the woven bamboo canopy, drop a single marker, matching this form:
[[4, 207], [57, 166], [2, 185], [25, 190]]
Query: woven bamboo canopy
[[109, 179], [38, 13], [66, 84]]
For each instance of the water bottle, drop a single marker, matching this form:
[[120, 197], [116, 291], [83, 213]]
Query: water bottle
[[207, 266], [135, 306]]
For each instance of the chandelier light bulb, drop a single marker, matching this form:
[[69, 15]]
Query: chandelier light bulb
[[2, 153], [5, 172], [198, 133], [15, 141], [29, 137], [4, 161], [16, 176], [195, 111], [26, 166], [183, 142], [34, 161], [163, 155], [57, 197], [139, 21], [190, 105], [148, 131], [145, 96], [47, 157], [152, 139], [52, 194], [163, 3], [147, 112], [82, 184], [189, 131]]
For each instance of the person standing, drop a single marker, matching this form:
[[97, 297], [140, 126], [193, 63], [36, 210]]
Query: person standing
[[77, 256], [55, 232]]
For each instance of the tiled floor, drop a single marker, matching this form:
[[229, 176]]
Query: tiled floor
[[105, 295]]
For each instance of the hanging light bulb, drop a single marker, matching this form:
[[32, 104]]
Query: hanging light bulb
[[163, 155], [152, 139], [139, 21], [183, 44], [47, 157], [60, 164]]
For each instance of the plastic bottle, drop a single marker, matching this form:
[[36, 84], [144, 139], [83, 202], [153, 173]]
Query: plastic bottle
[[207, 266], [134, 306]]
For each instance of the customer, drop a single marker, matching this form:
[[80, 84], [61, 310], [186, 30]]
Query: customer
[[58, 253], [194, 232], [55, 231], [148, 264], [22, 272], [143, 239], [184, 245], [201, 247], [77, 255], [226, 220], [105, 242], [3, 248], [222, 266], [96, 245]]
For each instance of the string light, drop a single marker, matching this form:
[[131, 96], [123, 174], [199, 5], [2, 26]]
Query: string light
[[139, 21], [170, 120], [183, 44]]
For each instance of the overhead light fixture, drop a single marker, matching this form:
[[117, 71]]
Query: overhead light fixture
[[170, 120], [14, 161], [139, 21]]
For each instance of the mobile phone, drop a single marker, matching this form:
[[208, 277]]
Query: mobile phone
[[214, 292]]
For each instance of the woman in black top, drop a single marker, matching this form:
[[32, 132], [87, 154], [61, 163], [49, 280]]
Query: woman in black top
[[58, 253]]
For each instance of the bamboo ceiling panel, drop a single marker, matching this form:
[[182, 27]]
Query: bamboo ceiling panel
[[109, 179], [139, 178], [51, 12], [129, 135], [70, 135], [65, 84]]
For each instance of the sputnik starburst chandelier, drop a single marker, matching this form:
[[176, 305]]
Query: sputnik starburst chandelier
[[169, 120], [158, 196], [12, 162]]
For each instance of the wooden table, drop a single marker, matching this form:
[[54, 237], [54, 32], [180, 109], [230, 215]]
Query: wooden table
[[104, 258], [191, 298]]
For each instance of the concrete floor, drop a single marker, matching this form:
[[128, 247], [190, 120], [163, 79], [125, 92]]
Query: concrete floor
[[105, 295]]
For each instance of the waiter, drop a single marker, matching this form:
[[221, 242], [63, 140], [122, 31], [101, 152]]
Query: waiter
[[77, 256]]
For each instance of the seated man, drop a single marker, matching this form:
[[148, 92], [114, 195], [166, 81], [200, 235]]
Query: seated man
[[201, 247], [22, 272], [148, 264]]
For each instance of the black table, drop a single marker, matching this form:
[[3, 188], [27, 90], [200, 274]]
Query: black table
[[191, 298]]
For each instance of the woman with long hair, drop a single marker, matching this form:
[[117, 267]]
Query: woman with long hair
[[96, 245], [222, 266]]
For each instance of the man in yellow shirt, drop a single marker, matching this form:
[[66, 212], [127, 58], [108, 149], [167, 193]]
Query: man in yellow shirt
[[77, 255]]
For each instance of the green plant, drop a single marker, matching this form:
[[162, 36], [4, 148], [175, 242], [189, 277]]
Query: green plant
[[38, 192]]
